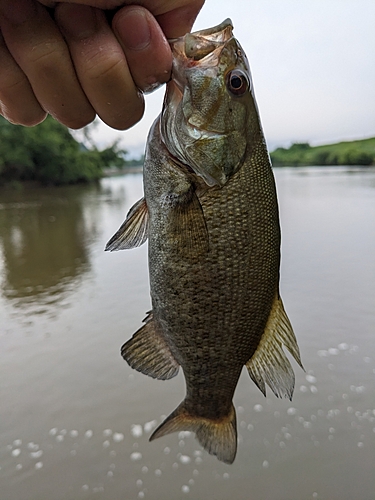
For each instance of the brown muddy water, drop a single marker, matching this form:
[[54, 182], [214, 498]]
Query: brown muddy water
[[75, 419]]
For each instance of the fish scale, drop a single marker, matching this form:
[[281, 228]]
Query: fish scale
[[210, 214]]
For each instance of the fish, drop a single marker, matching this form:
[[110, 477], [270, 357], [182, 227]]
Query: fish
[[210, 214]]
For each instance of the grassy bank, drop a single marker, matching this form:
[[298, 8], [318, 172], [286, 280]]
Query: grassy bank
[[360, 152]]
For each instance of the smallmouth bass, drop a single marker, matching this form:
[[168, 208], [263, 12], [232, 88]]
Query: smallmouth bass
[[210, 214]]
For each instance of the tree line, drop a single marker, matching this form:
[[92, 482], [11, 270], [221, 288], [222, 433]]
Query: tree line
[[360, 152], [49, 153]]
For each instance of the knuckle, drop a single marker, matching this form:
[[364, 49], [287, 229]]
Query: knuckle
[[12, 81], [46, 53], [100, 65]]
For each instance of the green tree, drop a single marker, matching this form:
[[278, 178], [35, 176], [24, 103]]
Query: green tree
[[293, 156], [48, 153], [320, 157], [359, 152], [356, 157]]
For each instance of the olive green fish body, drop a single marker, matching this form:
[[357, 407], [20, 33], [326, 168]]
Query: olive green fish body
[[210, 214], [212, 303]]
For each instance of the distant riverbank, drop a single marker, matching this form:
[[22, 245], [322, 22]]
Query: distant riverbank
[[360, 152], [349, 153], [129, 169]]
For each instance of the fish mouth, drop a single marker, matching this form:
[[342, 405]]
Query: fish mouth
[[194, 47]]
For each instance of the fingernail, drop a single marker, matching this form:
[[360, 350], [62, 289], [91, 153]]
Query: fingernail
[[133, 28], [78, 21]]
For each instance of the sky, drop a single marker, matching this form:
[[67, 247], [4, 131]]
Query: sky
[[312, 64]]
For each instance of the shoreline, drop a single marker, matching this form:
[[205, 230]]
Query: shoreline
[[114, 171]]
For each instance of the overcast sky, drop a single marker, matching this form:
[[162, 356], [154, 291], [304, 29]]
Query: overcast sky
[[313, 68]]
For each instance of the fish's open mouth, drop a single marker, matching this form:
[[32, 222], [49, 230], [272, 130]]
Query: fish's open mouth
[[200, 44]]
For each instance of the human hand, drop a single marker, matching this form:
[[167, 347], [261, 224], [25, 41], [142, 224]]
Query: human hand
[[75, 64]]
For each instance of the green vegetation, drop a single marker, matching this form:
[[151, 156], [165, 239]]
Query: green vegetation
[[343, 153], [48, 153], [138, 162]]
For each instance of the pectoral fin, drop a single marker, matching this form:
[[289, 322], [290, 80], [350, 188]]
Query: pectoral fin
[[186, 224], [147, 352], [134, 231], [269, 364]]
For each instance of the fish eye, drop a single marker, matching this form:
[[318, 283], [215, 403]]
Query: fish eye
[[237, 82]]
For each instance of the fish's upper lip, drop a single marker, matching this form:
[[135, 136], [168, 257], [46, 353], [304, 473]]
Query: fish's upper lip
[[199, 44], [209, 31]]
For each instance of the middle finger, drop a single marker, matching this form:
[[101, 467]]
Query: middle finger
[[101, 65]]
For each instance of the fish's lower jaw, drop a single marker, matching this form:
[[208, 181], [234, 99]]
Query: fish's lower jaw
[[217, 437]]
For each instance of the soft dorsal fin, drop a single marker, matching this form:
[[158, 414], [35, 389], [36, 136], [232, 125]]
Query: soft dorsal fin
[[269, 363], [134, 231], [147, 352]]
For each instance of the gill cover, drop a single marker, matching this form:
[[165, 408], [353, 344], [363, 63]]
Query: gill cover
[[204, 122]]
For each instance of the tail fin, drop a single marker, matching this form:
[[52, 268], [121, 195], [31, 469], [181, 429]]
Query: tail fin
[[218, 437]]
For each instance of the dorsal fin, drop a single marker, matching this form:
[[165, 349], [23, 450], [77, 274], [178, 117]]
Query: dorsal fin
[[134, 231], [269, 363], [147, 352]]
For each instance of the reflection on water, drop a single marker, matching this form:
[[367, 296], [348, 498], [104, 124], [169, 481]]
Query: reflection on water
[[75, 419], [45, 238]]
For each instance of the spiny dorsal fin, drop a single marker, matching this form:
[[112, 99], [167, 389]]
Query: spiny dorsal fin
[[134, 231], [218, 437], [269, 363], [186, 224], [147, 352]]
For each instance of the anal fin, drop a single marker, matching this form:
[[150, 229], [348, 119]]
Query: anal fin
[[147, 352], [269, 364], [134, 231], [218, 437]]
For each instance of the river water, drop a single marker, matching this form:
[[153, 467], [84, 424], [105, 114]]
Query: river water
[[75, 419]]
